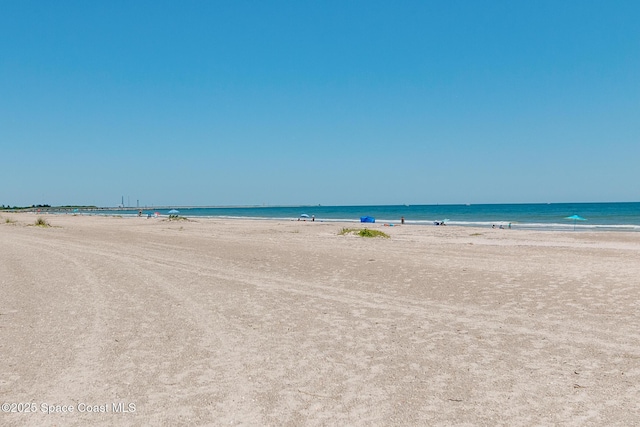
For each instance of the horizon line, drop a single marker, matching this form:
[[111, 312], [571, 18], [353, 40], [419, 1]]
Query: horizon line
[[249, 206]]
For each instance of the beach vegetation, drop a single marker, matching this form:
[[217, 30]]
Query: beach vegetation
[[363, 232], [177, 218], [41, 222], [372, 233], [9, 221]]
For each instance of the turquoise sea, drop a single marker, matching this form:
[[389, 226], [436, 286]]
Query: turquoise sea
[[599, 216]]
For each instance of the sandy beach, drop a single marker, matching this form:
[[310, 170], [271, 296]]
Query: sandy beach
[[136, 321]]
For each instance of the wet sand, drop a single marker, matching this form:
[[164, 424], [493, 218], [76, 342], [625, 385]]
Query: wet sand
[[248, 322]]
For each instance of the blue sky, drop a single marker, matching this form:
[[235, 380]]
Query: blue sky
[[319, 102]]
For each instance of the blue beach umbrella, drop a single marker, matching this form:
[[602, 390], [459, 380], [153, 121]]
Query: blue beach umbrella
[[173, 211], [304, 216], [575, 218]]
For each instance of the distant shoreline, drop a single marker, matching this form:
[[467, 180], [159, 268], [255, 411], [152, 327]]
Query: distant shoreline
[[614, 216], [161, 207]]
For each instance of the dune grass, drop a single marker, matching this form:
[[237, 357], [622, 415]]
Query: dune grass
[[363, 232], [177, 218], [41, 222]]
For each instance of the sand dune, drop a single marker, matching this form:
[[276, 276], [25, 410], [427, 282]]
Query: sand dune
[[226, 322]]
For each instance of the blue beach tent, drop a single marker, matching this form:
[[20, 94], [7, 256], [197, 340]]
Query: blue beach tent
[[367, 219]]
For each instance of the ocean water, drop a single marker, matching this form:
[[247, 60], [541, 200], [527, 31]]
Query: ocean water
[[599, 216]]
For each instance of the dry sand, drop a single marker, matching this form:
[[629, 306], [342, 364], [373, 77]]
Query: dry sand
[[224, 322]]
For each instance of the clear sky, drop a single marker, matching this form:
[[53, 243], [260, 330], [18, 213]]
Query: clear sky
[[319, 102]]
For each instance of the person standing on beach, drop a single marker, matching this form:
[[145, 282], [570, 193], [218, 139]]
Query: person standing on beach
[[402, 220]]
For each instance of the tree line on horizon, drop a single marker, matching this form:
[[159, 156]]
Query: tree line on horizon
[[8, 207]]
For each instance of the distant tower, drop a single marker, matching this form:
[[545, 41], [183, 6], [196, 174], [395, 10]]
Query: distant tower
[[122, 204]]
